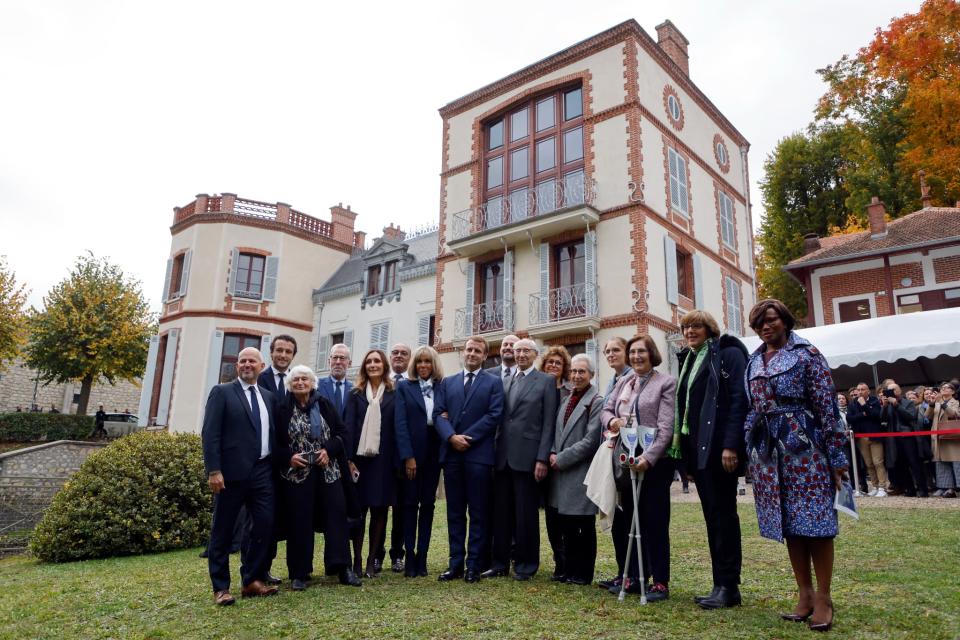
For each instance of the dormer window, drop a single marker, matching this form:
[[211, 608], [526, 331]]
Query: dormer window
[[390, 279], [373, 280]]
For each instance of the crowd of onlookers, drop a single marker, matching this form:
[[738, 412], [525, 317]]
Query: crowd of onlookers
[[915, 465]]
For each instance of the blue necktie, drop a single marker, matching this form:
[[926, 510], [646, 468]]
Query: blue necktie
[[469, 383], [337, 398], [281, 388], [255, 409]]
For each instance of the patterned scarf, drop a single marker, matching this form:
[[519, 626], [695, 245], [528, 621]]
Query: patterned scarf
[[691, 366]]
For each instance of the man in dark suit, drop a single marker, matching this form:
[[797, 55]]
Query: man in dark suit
[[335, 387], [466, 411], [237, 432], [508, 363], [399, 361], [523, 451]]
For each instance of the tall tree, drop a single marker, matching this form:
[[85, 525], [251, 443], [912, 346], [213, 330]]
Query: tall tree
[[95, 324], [13, 319]]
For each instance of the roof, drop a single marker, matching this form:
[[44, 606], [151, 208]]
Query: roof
[[932, 225], [421, 251]]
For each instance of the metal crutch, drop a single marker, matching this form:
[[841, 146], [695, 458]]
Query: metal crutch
[[631, 438]]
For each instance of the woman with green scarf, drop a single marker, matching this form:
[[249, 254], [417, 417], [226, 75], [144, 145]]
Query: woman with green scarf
[[708, 436]]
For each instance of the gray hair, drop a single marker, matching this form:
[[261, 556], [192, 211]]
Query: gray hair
[[300, 369], [527, 342], [586, 359], [338, 346]]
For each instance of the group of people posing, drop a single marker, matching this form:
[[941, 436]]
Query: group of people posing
[[334, 456]]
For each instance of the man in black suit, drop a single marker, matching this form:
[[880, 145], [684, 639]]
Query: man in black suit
[[522, 452], [399, 361], [237, 426]]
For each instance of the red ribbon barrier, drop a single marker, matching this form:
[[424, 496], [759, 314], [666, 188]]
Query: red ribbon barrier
[[897, 434]]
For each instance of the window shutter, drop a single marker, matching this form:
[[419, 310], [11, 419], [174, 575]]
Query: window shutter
[[697, 281], [348, 339], [366, 283], [682, 185], [146, 384], [734, 324], [166, 281], [166, 383], [590, 272], [185, 272], [508, 291], [423, 330], [270, 279], [674, 195], [592, 348], [213, 360], [544, 282], [670, 256], [374, 336], [265, 349], [323, 353], [468, 314], [234, 264]]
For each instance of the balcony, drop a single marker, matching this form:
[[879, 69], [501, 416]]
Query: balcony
[[487, 318], [550, 208], [563, 310]]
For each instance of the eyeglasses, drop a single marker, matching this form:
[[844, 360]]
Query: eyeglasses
[[695, 326]]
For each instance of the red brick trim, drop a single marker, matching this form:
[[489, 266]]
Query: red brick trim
[[660, 323], [254, 250], [718, 141], [725, 251], [562, 341], [668, 91], [244, 330], [622, 320], [259, 223], [214, 313]]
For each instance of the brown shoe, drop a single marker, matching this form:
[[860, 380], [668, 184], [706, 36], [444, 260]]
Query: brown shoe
[[223, 598], [257, 589]]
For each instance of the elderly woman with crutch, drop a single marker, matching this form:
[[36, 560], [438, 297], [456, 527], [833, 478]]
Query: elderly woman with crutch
[[645, 399]]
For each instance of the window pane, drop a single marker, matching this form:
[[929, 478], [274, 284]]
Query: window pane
[[573, 145], [256, 263], [573, 104], [545, 115], [494, 216], [546, 154], [518, 125], [231, 346], [573, 189], [546, 196], [518, 204], [494, 172], [495, 135], [243, 262], [518, 164]]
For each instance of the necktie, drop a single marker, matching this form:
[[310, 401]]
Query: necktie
[[513, 387], [255, 410], [338, 397], [397, 378], [426, 390], [468, 384], [506, 372], [281, 388]]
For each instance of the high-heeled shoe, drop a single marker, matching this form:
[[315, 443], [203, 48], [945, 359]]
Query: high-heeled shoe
[[797, 617], [823, 626]]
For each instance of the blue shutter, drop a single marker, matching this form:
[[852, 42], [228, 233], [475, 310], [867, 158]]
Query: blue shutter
[[670, 258], [590, 272], [265, 349], [508, 291], [213, 360], [468, 311], [423, 330], [166, 281], [270, 275], [544, 315], [146, 384], [234, 265], [697, 281], [185, 272], [166, 382]]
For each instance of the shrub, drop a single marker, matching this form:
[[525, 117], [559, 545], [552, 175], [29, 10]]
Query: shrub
[[144, 493], [42, 427]]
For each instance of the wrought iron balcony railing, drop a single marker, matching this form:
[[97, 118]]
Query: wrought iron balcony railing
[[563, 303], [525, 204], [488, 317]]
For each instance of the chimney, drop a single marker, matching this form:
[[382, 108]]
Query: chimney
[[811, 243], [877, 213], [674, 45], [394, 233], [924, 189], [342, 221]]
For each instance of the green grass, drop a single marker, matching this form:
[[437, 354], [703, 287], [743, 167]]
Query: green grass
[[897, 576]]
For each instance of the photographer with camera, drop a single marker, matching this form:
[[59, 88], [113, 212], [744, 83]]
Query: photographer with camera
[[309, 447], [900, 414]]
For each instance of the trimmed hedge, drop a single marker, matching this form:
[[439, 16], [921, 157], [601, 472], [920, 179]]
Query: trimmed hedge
[[44, 427], [143, 493]]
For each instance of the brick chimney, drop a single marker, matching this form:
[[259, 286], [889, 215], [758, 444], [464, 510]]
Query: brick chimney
[[811, 243], [674, 45], [342, 220], [877, 213], [924, 189], [394, 233]]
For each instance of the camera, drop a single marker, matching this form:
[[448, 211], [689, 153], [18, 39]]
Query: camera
[[310, 458], [889, 393]]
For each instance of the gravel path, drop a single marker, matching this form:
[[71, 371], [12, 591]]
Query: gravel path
[[676, 495]]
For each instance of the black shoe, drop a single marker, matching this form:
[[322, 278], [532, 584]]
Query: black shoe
[[422, 573], [522, 577], [713, 594], [450, 574], [349, 578], [559, 577], [657, 592], [272, 579], [298, 585], [494, 573], [472, 576], [726, 597], [397, 566], [633, 586], [577, 581], [610, 582], [409, 573], [377, 566]]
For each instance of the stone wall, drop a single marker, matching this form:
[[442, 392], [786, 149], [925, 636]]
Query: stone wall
[[29, 478], [17, 390]]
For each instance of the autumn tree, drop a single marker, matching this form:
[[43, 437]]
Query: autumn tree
[[95, 324], [13, 319]]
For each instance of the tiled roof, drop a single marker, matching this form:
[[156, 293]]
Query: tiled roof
[[420, 250], [927, 226]]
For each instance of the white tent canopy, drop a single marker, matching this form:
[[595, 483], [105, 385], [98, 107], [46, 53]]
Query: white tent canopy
[[910, 336]]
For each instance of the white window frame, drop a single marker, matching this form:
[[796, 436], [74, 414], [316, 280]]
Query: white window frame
[[727, 221], [721, 151], [673, 107], [677, 167], [871, 298]]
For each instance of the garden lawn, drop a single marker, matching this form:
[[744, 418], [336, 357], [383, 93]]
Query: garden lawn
[[897, 576]]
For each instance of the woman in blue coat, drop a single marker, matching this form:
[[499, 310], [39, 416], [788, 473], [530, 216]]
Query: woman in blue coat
[[373, 454], [795, 447], [418, 445]]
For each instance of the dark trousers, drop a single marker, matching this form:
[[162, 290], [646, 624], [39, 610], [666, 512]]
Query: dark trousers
[[331, 518], [299, 501], [467, 486], [396, 530], [579, 540], [555, 536], [419, 497], [912, 473], [654, 516], [718, 500], [256, 492], [516, 519]]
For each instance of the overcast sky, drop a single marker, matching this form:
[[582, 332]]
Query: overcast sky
[[112, 113]]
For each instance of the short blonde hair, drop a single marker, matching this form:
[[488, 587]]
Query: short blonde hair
[[425, 352], [699, 316], [300, 369]]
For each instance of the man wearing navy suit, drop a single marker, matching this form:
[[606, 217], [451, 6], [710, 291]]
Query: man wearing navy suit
[[466, 412], [335, 387], [237, 432]]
